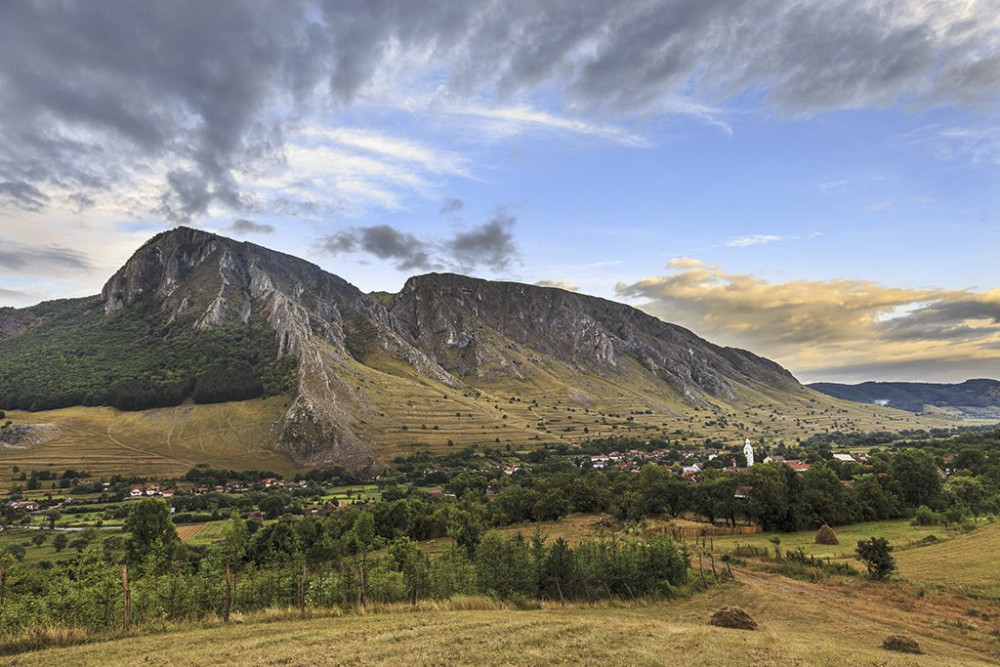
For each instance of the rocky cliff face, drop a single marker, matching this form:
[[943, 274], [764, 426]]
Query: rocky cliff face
[[474, 328], [317, 316], [442, 333]]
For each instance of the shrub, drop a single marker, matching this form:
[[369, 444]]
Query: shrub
[[876, 554], [925, 516]]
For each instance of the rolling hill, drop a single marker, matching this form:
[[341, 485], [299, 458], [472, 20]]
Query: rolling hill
[[973, 397]]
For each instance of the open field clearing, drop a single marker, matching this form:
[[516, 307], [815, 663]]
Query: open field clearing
[[899, 533], [800, 623], [965, 563]]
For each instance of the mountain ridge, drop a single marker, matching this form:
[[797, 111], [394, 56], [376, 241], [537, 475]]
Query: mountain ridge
[[442, 337]]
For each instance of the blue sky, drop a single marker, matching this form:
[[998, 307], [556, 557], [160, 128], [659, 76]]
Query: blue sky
[[818, 182]]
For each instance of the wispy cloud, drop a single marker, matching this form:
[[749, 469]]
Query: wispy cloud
[[755, 239], [501, 122], [18, 258]]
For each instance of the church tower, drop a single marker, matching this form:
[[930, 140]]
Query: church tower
[[748, 452]]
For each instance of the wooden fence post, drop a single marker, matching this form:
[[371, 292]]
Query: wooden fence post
[[229, 595], [127, 600], [302, 590], [361, 583]]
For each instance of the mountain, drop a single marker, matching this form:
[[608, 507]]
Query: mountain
[[970, 397], [194, 316]]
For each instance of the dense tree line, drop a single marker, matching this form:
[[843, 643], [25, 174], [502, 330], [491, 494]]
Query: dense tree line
[[341, 560], [137, 359]]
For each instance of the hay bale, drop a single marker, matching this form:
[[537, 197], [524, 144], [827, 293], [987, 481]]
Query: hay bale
[[733, 617], [901, 644], [826, 535]]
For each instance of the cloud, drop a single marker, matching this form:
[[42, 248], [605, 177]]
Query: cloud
[[879, 206], [974, 143], [817, 327], [507, 121], [40, 260], [22, 195], [684, 263], [244, 226], [184, 101], [11, 295], [756, 239], [491, 245], [452, 206], [559, 284], [384, 242]]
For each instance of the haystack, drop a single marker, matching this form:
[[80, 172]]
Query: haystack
[[901, 644], [826, 535], [733, 617]]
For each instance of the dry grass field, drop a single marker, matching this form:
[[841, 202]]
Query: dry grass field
[[966, 563], [154, 443], [899, 533], [801, 624]]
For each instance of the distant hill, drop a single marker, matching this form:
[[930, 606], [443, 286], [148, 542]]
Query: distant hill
[[969, 396]]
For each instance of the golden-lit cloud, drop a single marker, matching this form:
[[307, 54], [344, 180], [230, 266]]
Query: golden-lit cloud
[[848, 330]]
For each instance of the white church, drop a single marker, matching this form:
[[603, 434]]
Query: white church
[[748, 452]]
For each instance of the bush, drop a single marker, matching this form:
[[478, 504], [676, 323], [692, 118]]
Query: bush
[[925, 516]]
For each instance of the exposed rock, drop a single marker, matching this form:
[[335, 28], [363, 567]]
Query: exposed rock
[[479, 328], [733, 617], [901, 644], [27, 435]]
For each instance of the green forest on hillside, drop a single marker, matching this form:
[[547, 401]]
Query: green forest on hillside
[[136, 359]]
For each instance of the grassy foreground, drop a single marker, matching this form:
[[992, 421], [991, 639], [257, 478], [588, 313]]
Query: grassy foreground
[[801, 623]]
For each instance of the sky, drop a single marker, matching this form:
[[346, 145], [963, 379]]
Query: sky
[[817, 181]]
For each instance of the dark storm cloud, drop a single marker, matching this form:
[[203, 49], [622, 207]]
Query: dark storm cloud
[[91, 91], [40, 260], [244, 226], [491, 244], [383, 241]]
